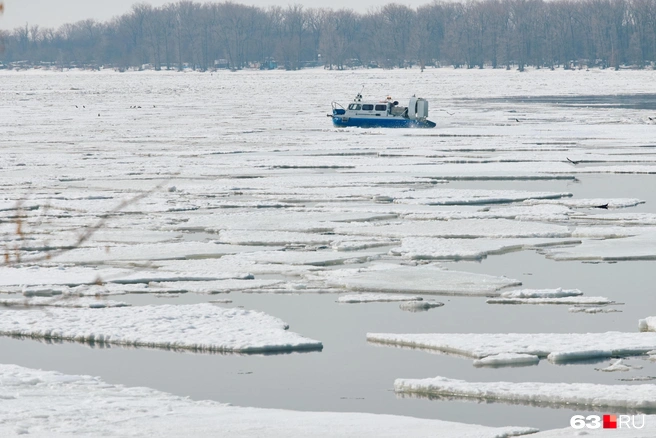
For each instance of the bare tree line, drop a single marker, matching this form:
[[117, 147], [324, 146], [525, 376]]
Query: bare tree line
[[499, 33]]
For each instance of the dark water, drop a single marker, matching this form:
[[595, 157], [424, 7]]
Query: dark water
[[353, 375]]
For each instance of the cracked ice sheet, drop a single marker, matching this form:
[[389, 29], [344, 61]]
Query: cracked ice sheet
[[196, 327], [634, 397], [427, 279], [638, 247], [430, 248], [558, 347], [465, 228], [87, 406]]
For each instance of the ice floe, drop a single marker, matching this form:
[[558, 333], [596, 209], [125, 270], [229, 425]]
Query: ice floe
[[427, 279], [637, 247], [590, 203], [557, 347], [373, 298], [507, 359], [46, 403], [464, 228], [583, 309], [198, 327], [647, 324], [209, 287], [430, 248], [541, 293], [555, 300], [419, 306], [159, 251], [619, 365], [61, 301], [629, 397]]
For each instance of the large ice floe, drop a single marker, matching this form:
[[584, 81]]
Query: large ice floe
[[640, 398], [46, 404], [61, 301], [548, 296], [427, 279], [197, 327], [557, 347], [429, 248], [637, 247]]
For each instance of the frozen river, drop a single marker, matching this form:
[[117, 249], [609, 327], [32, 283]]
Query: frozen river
[[252, 197]]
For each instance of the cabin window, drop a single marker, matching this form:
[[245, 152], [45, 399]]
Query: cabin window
[[354, 106], [381, 107], [367, 107]]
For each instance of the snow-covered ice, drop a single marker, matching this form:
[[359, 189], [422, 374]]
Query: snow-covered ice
[[557, 347], [507, 359], [630, 397], [198, 327], [555, 300], [619, 365], [430, 248], [295, 205], [373, 298], [427, 279], [647, 324], [419, 306], [61, 301], [541, 293], [45, 404], [592, 310]]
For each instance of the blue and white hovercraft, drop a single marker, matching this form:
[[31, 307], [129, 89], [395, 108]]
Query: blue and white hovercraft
[[383, 114]]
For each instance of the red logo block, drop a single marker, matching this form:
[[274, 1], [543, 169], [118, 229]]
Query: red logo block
[[610, 421]]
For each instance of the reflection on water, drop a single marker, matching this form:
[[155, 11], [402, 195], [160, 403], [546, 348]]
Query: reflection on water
[[553, 405]]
